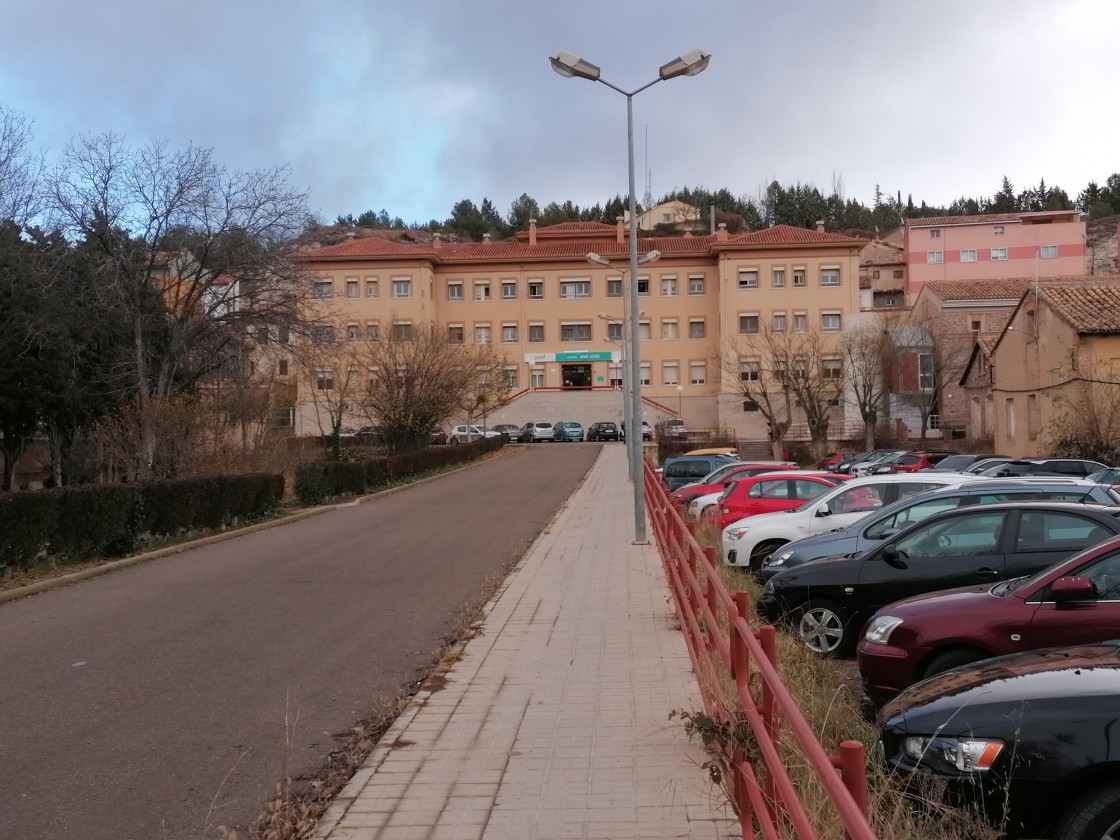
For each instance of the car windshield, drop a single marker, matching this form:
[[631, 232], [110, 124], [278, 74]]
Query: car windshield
[[956, 462]]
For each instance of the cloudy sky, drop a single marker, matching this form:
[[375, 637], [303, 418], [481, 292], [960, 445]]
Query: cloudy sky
[[412, 106]]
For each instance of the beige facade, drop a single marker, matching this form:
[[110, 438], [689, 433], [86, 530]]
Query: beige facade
[[666, 213], [558, 318], [1054, 366]]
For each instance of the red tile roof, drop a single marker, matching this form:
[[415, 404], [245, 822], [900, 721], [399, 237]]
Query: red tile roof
[[990, 218], [1011, 288], [790, 235], [1090, 306], [878, 252], [568, 228]]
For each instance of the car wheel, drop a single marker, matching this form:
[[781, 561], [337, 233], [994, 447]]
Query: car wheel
[[705, 511], [825, 629], [950, 659], [762, 551], [454, 441], [1094, 816]]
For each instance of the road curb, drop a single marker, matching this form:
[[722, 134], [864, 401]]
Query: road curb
[[167, 551]]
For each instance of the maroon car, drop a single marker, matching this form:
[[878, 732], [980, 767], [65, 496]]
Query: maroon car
[[1074, 602]]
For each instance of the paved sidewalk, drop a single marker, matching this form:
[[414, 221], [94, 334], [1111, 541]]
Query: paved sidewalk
[[554, 724]]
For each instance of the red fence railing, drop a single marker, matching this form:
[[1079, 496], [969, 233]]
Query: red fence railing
[[761, 790]]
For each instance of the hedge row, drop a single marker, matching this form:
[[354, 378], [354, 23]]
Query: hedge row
[[70, 524], [317, 481]]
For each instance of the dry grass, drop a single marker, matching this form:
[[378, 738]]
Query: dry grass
[[834, 709]]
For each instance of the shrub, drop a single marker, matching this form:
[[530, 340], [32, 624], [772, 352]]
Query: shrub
[[27, 520], [94, 520]]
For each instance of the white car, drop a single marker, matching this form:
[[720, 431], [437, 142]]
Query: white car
[[462, 434], [749, 541]]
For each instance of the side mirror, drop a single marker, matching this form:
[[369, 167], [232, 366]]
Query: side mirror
[[889, 554], [1072, 588], [823, 511], [889, 532]]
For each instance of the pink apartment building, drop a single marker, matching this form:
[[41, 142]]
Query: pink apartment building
[[998, 246]]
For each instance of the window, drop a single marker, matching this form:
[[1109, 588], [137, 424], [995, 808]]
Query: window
[[898, 273], [800, 322], [801, 368], [748, 370], [509, 290], [696, 285], [748, 278], [402, 331], [352, 288], [402, 288], [751, 405], [670, 373], [575, 289], [1053, 531], [975, 326], [536, 333], [779, 322], [875, 274], [536, 289], [669, 329], [283, 335], [832, 368], [373, 331], [830, 277], [482, 334], [1105, 574], [614, 288], [282, 367], [482, 290], [575, 332], [536, 378], [455, 334], [324, 289], [935, 257], [643, 331], [998, 230], [1034, 419], [322, 334], [644, 376], [697, 372], [614, 330], [324, 379], [509, 333], [748, 324], [1049, 252], [798, 277], [697, 328], [614, 375], [935, 234], [353, 332], [968, 255], [643, 285], [454, 291], [668, 286], [927, 376], [778, 278], [1009, 416], [830, 321], [999, 254], [971, 534], [373, 290]]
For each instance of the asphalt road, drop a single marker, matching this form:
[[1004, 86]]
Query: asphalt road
[[152, 703]]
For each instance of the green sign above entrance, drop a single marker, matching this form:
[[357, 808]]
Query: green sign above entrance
[[586, 356]]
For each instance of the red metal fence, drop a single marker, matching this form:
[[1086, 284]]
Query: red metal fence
[[761, 789]]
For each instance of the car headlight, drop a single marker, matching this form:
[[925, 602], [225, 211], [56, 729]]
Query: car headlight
[[967, 755], [777, 559], [736, 533], [768, 588], [880, 629]]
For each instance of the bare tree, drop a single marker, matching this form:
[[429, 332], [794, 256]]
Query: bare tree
[[924, 360], [336, 378], [195, 255], [866, 350], [21, 169], [758, 367]]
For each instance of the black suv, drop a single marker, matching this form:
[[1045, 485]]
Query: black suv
[[1068, 467], [602, 431], [1030, 738]]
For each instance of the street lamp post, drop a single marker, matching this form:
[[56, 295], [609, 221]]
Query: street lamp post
[[689, 64], [680, 401]]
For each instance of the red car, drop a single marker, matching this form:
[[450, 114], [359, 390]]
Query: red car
[[834, 459], [770, 494], [912, 462], [684, 495], [1074, 602]]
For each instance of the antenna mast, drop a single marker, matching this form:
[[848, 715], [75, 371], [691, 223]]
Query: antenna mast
[[647, 199]]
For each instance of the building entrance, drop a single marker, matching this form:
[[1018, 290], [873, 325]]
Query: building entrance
[[576, 376]]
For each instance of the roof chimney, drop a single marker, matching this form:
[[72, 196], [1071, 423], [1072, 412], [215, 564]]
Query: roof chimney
[[620, 229], [436, 239], [532, 231], [820, 225], [721, 232], [350, 234], [486, 237]]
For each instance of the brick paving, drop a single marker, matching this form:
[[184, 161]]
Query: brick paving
[[554, 723]]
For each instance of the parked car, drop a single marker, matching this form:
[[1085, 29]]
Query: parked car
[[674, 427], [960, 491], [860, 466], [507, 429], [647, 430], [686, 469], [603, 430], [828, 600], [1029, 739], [438, 437], [833, 460], [536, 431], [1068, 467], [960, 462], [567, 431], [910, 462], [1071, 603], [705, 505], [749, 544], [719, 479], [768, 493], [716, 450], [1109, 475], [462, 434]]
